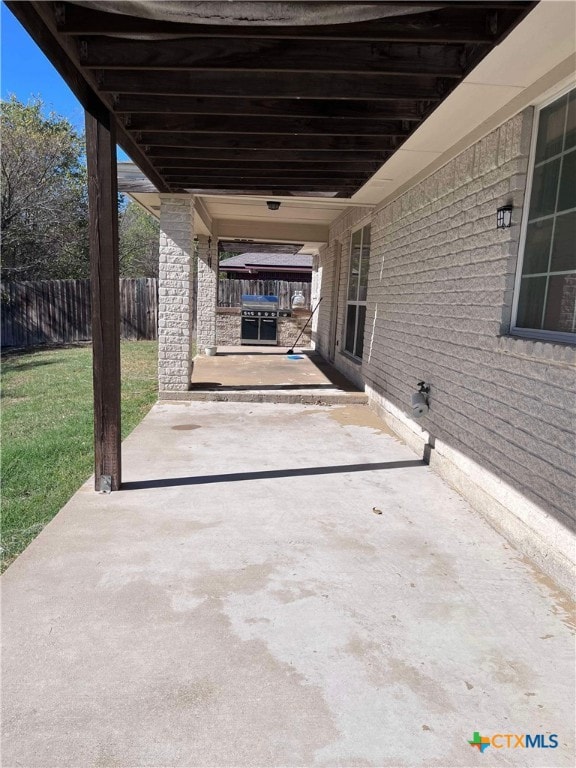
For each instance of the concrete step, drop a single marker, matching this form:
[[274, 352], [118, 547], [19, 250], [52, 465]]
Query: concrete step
[[302, 397]]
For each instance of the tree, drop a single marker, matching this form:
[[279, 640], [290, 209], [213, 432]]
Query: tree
[[44, 218], [139, 242]]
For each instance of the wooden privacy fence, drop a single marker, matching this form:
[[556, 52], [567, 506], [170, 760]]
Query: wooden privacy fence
[[58, 311], [230, 291]]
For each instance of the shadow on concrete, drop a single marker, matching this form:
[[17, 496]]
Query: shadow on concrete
[[251, 352], [232, 477]]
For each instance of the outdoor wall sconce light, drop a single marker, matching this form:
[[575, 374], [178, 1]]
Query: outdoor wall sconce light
[[273, 205], [504, 217], [210, 252]]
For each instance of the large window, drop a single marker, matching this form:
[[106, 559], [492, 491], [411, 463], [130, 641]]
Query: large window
[[546, 294], [357, 291]]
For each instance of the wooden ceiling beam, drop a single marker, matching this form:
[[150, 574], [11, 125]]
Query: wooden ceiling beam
[[266, 186], [266, 125], [322, 105], [258, 173], [158, 155], [225, 54], [281, 183], [452, 24], [328, 195], [215, 105], [247, 141], [270, 166], [276, 85]]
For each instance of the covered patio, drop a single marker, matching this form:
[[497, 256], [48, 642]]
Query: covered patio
[[291, 583], [278, 585], [223, 106]]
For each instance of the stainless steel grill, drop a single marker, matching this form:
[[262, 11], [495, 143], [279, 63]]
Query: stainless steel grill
[[259, 320]]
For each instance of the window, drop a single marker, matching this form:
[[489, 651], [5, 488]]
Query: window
[[546, 291], [357, 291]]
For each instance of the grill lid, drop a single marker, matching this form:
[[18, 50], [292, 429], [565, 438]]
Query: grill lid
[[258, 302]]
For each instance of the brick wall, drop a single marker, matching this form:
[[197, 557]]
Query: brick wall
[[440, 295], [207, 293], [290, 327], [175, 292], [227, 327]]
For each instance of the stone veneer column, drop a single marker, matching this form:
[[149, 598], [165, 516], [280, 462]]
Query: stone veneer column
[[207, 297], [175, 309]]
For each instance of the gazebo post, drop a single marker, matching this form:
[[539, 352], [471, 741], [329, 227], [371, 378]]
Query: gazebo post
[[104, 280]]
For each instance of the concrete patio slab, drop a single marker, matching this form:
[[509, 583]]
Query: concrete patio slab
[[268, 374], [279, 585]]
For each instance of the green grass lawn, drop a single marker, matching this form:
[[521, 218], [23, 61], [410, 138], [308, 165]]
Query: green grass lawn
[[47, 430]]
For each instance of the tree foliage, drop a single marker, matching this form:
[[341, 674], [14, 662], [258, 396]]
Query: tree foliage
[[139, 237], [44, 218], [44, 198]]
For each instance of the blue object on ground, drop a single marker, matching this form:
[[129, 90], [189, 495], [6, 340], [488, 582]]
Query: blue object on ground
[[295, 357]]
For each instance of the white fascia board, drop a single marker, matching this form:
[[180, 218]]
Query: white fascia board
[[202, 218], [150, 202]]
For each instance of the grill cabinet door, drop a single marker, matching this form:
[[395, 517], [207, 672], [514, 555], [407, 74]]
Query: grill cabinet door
[[267, 329], [249, 329]]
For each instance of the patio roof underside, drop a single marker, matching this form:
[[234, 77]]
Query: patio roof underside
[[274, 99]]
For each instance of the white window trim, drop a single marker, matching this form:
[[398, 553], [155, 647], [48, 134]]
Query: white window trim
[[530, 333], [367, 222]]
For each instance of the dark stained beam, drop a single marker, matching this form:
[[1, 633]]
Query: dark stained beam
[[214, 105], [325, 94], [157, 155], [273, 173], [264, 141], [328, 170], [280, 179], [266, 125], [265, 189], [105, 285], [245, 54], [254, 186], [451, 24], [277, 85], [330, 195], [167, 167]]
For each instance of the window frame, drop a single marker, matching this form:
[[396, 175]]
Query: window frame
[[348, 302], [534, 333]]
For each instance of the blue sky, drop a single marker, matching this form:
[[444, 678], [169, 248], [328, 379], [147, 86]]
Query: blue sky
[[27, 72]]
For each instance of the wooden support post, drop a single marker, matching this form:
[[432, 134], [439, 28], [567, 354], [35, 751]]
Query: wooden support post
[[104, 278]]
